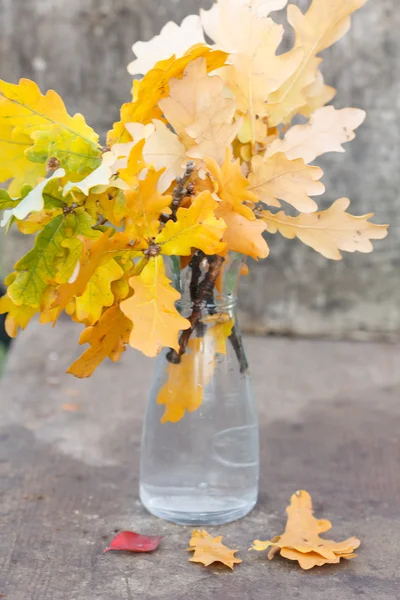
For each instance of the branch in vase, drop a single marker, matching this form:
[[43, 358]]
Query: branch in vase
[[199, 297], [237, 345]]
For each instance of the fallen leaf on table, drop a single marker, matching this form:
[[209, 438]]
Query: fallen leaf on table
[[208, 550], [134, 542], [301, 540]]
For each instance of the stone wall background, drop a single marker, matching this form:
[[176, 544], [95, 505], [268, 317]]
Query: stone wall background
[[81, 49]]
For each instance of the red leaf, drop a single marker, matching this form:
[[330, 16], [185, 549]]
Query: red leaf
[[134, 542]]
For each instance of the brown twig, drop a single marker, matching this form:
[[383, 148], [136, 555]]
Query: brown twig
[[204, 291], [182, 190], [237, 345]]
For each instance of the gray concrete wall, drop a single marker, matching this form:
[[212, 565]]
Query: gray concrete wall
[[81, 48]]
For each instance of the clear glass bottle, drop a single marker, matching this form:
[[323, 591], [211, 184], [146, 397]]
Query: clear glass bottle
[[200, 447]]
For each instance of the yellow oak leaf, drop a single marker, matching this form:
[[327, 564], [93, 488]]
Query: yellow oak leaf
[[184, 389], [13, 162], [18, 317], [326, 131], [98, 293], [330, 231], [325, 22], [293, 181], [154, 86], [95, 253], [24, 111], [172, 40], [208, 550], [301, 540], [195, 227], [144, 205], [108, 338], [156, 322]]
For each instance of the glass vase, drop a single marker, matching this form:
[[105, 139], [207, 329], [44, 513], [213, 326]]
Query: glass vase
[[200, 446]]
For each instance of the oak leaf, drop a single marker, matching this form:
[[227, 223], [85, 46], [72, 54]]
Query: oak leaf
[[195, 227], [107, 338], [13, 161], [301, 540], [184, 389], [328, 232], [94, 254], [317, 94], [244, 233], [154, 86], [173, 40], [325, 22], [278, 178], [326, 131], [208, 550], [25, 112], [40, 267], [134, 542], [18, 317], [144, 205], [98, 293], [156, 321], [252, 39]]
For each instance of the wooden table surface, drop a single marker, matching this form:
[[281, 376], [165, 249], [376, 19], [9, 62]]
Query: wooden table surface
[[330, 423]]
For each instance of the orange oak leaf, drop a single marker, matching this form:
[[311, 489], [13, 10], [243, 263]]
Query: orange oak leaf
[[208, 550], [330, 231], [301, 540], [156, 321], [278, 178], [108, 338], [244, 232]]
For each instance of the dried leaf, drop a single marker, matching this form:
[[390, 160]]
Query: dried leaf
[[252, 39], [156, 322], [326, 131], [154, 86], [172, 40], [208, 550], [330, 231], [301, 540], [325, 22], [200, 114], [134, 542], [290, 180]]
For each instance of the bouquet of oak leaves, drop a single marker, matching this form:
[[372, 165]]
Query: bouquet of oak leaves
[[203, 161]]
